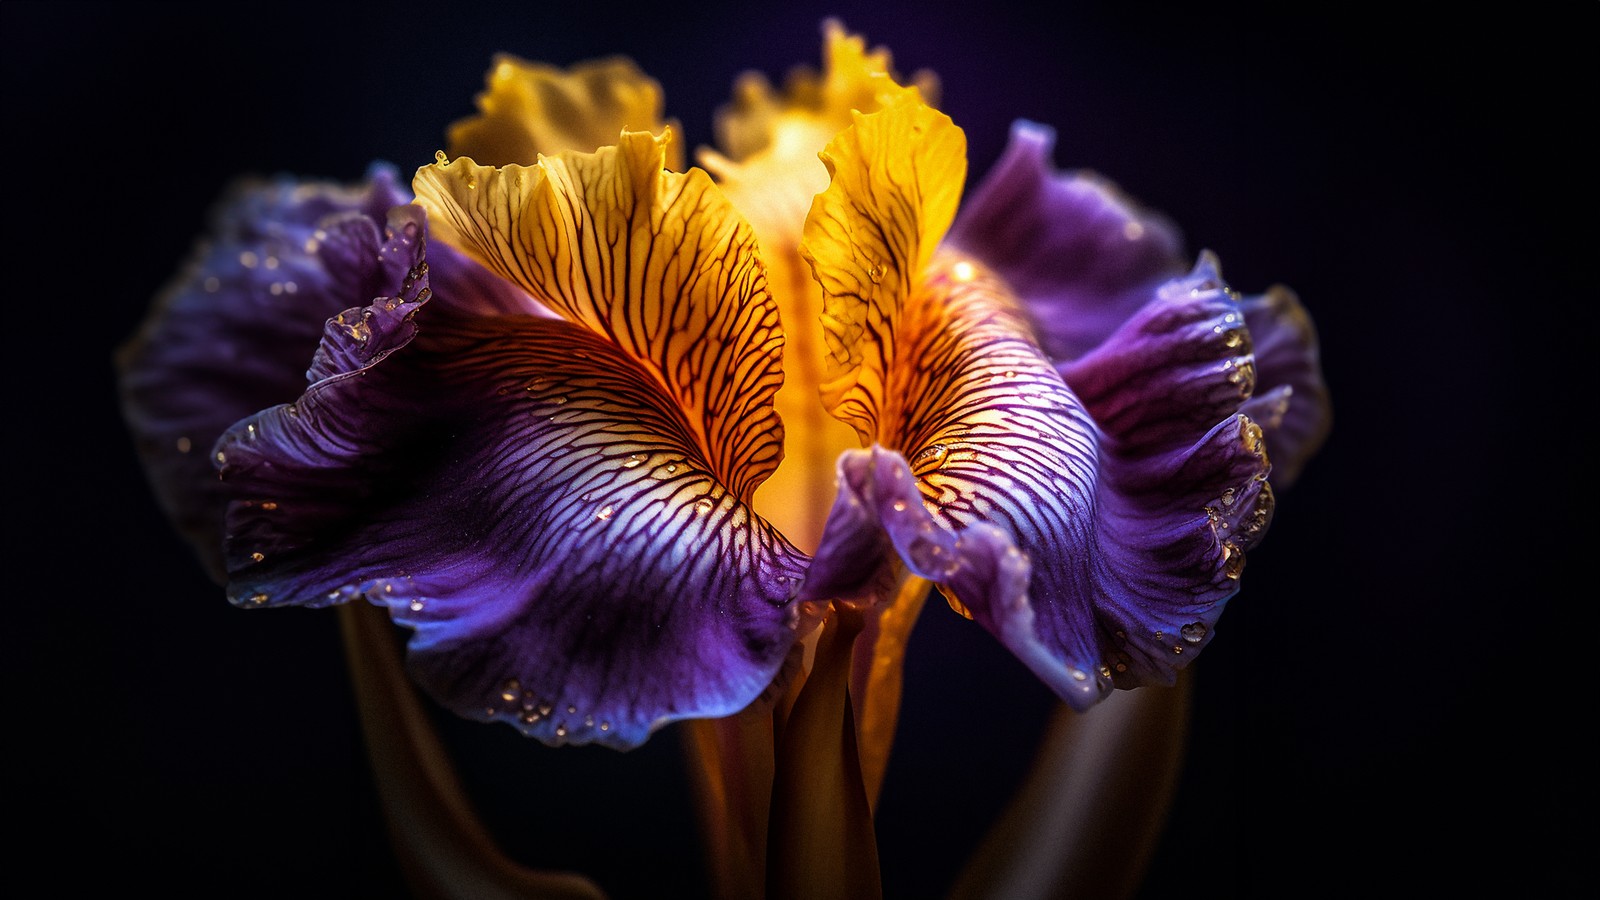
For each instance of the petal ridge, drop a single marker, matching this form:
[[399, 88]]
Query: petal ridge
[[655, 261]]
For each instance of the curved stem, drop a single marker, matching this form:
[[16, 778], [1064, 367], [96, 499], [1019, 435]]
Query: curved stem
[[821, 843], [1086, 821], [731, 763], [445, 851]]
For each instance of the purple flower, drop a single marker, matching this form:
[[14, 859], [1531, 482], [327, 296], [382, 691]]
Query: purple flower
[[610, 437]]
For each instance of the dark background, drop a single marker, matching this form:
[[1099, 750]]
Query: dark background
[[1391, 703]]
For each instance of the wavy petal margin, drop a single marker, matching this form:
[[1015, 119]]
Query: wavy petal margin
[[1081, 254], [516, 492], [532, 496], [1085, 533], [235, 330], [531, 109], [1084, 257], [1293, 406]]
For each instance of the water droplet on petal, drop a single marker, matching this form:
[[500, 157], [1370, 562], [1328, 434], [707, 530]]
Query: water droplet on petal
[[511, 689], [1194, 632], [704, 505], [1232, 560], [876, 272]]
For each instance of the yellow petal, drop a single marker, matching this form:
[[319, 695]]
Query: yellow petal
[[853, 77], [530, 109], [897, 178], [657, 262], [771, 173]]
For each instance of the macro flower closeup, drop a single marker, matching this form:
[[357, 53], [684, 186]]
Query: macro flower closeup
[[619, 441]]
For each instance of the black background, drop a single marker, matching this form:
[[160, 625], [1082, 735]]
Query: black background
[[1391, 703]]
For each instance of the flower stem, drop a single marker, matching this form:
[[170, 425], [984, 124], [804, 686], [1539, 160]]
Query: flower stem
[[821, 842]]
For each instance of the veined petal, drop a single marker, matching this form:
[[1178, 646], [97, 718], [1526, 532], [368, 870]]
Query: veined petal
[[528, 500], [235, 330], [1081, 254], [529, 109], [896, 179], [656, 262], [771, 173], [1085, 544]]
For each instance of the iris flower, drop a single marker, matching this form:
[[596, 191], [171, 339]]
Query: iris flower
[[619, 442]]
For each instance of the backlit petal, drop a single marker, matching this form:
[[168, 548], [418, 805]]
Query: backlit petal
[[531, 108], [896, 180], [528, 499], [771, 173], [656, 262]]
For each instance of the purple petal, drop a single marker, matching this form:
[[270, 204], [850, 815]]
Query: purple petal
[[1096, 533], [1294, 410], [234, 332], [522, 495], [1082, 256]]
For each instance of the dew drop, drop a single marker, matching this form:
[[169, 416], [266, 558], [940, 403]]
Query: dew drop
[[604, 513], [1105, 671], [930, 460], [1194, 632], [258, 599], [672, 467], [510, 691], [416, 605], [703, 505], [257, 556], [899, 506], [1232, 560], [605, 726], [269, 506], [559, 400], [1228, 497], [544, 709], [1080, 675], [634, 461], [572, 709], [561, 731], [439, 157], [876, 272]]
